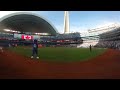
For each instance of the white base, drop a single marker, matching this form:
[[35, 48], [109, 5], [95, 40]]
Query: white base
[[37, 57], [32, 57]]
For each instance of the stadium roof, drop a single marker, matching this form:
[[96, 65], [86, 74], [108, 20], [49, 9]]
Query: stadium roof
[[27, 22]]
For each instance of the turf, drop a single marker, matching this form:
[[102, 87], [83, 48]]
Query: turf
[[61, 54]]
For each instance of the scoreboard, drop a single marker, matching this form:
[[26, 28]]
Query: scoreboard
[[26, 37]]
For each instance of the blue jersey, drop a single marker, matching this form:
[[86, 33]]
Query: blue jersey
[[35, 45]]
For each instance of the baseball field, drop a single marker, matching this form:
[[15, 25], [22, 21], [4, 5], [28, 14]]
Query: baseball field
[[60, 63], [61, 54]]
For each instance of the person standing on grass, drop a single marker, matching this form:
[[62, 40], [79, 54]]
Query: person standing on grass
[[35, 49], [1, 49], [9, 45], [90, 48]]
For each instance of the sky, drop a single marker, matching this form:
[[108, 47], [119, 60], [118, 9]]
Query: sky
[[80, 21]]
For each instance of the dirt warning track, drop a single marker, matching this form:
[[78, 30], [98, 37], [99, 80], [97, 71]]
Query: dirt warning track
[[105, 66]]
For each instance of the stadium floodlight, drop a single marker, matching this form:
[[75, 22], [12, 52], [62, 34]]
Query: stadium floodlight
[[8, 30], [42, 33], [14, 31], [36, 33]]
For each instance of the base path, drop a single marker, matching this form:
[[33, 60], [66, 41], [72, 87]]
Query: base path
[[105, 66]]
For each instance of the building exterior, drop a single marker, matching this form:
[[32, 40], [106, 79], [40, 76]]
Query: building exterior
[[24, 25], [66, 22]]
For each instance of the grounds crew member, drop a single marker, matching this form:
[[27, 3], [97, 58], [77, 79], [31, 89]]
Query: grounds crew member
[[35, 49], [90, 48]]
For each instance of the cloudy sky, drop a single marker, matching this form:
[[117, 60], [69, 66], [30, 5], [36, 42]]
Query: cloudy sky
[[80, 21]]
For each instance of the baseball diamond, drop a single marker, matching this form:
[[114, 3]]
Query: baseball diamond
[[32, 48]]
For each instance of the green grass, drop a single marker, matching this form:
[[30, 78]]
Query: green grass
[[61, 54]]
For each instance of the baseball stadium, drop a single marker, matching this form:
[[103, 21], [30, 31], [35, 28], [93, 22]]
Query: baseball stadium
[[94, 54]]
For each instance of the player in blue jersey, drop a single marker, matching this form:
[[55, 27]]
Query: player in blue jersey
[[35, 49]]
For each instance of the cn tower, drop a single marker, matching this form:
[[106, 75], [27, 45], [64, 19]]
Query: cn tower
[[66, 22]]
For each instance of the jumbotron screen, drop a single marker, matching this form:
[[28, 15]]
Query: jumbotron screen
[[26, 37]]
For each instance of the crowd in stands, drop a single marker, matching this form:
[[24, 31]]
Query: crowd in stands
[[65, 40], [68, 36], [109, 44], [110, 39], [62, 36], [6, 36]]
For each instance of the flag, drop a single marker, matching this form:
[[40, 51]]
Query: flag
[[28, 37]]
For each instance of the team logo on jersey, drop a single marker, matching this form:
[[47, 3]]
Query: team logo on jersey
[[35, 46]]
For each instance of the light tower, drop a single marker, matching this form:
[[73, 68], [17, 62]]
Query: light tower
[[66, 22]]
